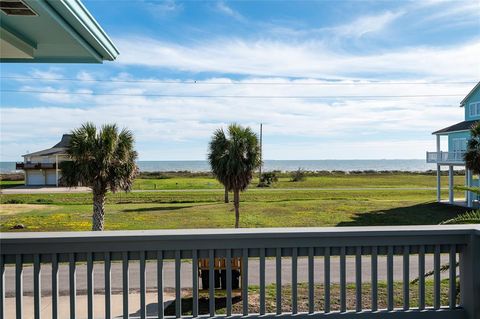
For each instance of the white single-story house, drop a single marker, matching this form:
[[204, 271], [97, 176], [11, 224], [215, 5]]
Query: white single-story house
[[41, 168]]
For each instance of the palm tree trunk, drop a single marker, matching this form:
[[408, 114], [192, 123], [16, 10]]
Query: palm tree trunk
[[236, 204], [226, 195], [98, 211]]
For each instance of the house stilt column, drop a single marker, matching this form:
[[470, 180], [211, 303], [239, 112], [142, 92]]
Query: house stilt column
[[56, 170], [469, 184], [439, 194], [450, 184], [439, 156]]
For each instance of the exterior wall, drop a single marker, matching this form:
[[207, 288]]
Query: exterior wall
[[44, 159], [48, 176], [474, 98], [37, 177], [455, 135], [34, 177]]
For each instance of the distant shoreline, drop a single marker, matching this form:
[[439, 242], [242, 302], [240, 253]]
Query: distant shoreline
[[17, 176], [409, 165]]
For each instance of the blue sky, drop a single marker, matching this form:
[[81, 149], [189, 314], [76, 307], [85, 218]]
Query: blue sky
[[240, 48]]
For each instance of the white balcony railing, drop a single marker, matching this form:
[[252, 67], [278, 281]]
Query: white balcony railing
[[446, 157], [306, 251]]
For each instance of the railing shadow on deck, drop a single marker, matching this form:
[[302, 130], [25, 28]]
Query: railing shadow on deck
[[187, 306]]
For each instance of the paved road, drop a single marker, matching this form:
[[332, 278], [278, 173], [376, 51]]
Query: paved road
[[186, 271], [62, 190]]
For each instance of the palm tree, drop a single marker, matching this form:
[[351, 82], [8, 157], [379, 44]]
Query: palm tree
[[472, 156], [102, 159], [234, 155]]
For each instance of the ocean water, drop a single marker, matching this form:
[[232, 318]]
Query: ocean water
[[417, 165]]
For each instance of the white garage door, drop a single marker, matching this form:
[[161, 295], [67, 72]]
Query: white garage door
[[35, 178], [51, 178]]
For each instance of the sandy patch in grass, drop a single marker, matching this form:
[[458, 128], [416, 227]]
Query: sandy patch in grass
[[10, 209]]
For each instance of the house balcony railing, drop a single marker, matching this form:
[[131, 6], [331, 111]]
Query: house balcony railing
[[22, 165], [446, 157], [308, 252]]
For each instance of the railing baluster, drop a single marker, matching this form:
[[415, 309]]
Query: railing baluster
[[19, 286], [73, 285], [326, 278], [311, 281], [421, 277], [294, 280], [406, 278], [358, 279], [90, 285], [2, 287], [125, 284], [228, 261], [245, 281], [390, 305], [343, 281], [194, 283], [211, 282], [278, 284], [178, 286], [374, 275], [262, 281], [108, 285], [436, 267], [452, 277], [160, 310], [37, 288], [143, 290], [55, 286]]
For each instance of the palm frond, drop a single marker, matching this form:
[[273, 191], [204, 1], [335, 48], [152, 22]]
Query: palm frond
[[472, 217], [472, 155], [101, 159], [443, 268]]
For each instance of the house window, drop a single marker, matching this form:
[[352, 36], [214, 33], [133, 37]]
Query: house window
[[459, 144], [475, 109]]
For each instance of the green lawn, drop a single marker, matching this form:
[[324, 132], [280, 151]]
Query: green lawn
[[205, 209], [329, 181], [10, 184]]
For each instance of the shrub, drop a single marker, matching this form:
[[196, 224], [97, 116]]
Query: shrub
[[298, 176], [267, 179], [44, 201], [14, 201]]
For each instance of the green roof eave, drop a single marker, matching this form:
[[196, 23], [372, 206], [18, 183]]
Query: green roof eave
[[77, 16], [63, 31]]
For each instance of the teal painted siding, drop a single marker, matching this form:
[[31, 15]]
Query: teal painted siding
[[453, 139], [473, 99]]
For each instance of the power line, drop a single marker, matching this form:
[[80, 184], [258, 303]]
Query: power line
[[241, 96], [240, 83]]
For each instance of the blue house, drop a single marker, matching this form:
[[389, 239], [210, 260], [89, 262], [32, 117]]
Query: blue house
[[458, 136]]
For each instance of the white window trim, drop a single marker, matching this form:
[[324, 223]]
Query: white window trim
[[474, 109]]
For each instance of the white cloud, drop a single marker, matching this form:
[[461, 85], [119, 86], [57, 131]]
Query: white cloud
[[162, 8], [366, 24], [222, 7], [85, 76], [160, 124], [305, 59]]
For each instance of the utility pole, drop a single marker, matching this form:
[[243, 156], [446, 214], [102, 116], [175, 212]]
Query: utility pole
[[261, 152]]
